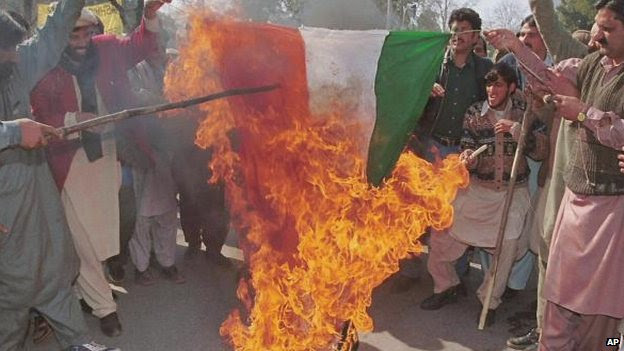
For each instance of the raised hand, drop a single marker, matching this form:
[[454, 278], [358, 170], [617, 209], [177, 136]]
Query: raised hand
[[152, 6], [502, 39]]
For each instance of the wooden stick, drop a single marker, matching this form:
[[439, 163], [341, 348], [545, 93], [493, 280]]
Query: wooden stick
[[478, 151], [526, 123], [126, 114]]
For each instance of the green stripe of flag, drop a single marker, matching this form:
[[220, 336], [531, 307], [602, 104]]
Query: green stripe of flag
[[407, 68]]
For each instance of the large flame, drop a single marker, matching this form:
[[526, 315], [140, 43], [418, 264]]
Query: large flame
[[318, 238]]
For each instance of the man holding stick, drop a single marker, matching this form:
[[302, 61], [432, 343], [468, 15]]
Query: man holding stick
[[91, 78], [583, 286], [460, 84], [479, 209], [38, 263]]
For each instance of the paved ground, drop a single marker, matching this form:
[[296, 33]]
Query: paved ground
[[187, 317]]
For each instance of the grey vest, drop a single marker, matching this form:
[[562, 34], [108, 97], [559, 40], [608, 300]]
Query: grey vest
[[593, 168]]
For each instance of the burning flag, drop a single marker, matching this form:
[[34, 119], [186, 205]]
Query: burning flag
[[317, 236]]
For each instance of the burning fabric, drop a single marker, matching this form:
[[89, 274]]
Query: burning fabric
[[317, 236]]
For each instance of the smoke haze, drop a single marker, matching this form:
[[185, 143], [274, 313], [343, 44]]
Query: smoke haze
[[343, 14]]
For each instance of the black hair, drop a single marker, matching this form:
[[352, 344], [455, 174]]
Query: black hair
[[465, 14], [530, 20], [11, 32], [504, 71], [617, 6]]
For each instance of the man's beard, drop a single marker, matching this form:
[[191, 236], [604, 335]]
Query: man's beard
[[6, 70], [73, 53]]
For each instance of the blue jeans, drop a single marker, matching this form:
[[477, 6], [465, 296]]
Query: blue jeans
[[520, 271]]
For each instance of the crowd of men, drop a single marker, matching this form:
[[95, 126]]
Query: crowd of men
[[74, 212], [559, 92]]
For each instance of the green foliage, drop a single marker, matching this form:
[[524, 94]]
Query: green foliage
[[577, 14]]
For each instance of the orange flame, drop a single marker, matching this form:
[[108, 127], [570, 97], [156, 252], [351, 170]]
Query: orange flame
[[318, 238]]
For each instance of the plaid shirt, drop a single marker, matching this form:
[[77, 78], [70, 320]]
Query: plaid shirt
[[493, 167]]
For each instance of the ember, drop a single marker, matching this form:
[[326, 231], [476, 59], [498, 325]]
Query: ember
[[317, 237]]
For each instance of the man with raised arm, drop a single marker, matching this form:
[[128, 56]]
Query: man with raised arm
[[91, 79], [582, 285], [38, 264]]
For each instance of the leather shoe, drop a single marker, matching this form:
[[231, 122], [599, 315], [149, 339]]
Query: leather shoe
[[110, 325], [171, 273], [218, 259], [462, 290], [41, 329], [509, 294], [524, 342], [437, 301], [84, 306]]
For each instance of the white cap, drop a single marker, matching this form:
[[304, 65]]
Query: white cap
[[87, 18]]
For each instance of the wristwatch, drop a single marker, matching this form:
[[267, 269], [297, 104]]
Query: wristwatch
[[581, 117]]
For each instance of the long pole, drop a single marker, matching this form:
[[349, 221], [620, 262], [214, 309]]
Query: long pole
[[388, 14], [126, 114], [526, 123]]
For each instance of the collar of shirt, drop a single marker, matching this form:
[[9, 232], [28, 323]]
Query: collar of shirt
[[469, 61], [609, 66], [498, 115]]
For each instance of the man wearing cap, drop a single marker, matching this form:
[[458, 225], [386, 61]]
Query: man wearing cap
[[90, 80], [38, 263]]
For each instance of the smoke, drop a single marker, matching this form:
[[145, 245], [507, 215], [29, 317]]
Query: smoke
[[333, 14], [343, 14]]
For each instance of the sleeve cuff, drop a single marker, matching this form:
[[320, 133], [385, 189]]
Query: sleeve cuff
[[14, 132], [594, 114], [595, 119], [70, 120]]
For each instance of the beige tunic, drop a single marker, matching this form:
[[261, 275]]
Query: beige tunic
[[479, 211], [92, 189]]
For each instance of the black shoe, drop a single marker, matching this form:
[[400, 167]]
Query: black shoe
[[218, 259], [116, 272], [110, 325], [84, 306], [145, 278], [437, 301], [192, 252], [525, 341], [509, 294], [41, 329], [462, 290], [172, 274]]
